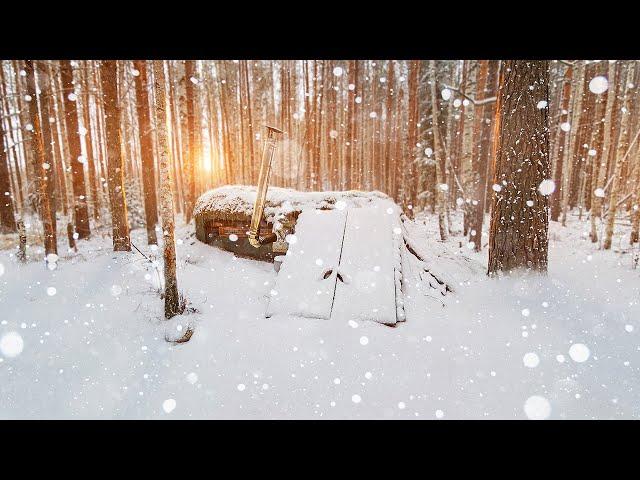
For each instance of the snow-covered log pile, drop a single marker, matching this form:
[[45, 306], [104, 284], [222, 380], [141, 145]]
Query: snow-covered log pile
[[223, 215]]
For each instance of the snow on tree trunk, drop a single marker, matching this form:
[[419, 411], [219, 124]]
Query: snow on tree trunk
[[171, 300], [115, 166], [518, 236]]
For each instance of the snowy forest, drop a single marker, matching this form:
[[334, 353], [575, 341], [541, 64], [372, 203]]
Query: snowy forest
[[345, 239]]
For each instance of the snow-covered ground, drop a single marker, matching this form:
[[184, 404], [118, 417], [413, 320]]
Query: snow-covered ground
[[87, 340]]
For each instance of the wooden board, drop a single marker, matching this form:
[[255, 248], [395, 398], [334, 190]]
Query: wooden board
[[368, 267], [306, 282]]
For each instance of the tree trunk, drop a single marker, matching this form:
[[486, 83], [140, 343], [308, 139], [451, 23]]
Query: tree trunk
[[518, 236], [561, 142], [192, 152], [411, 188], [115, 165], [7, 218], [146, 151], [41, 165], [75, 152], [439, 154], [621, 151], [171, 299], [574, 142], [481, 158], [600, 162], [88, 139]]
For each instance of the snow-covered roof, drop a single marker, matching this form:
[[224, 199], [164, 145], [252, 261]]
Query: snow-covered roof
[[238, 200]]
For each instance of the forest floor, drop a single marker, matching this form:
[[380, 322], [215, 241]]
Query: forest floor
[[87, 340]]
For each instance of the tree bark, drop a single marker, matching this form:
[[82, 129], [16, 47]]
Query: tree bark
[[115, 165], [562, 142], [438, 151], [621, 151], [171, 298], [192, 154], [146, 151], [77, 167], [481, 158], [600, 162], [41, 165], [7, 218], [518, 236]]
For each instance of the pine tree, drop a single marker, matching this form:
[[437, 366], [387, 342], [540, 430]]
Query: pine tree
[[518, 236]]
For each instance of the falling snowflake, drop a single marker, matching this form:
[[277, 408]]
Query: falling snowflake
[[364, 340], [51, 291], [599, 85], [169, 405], [599, 192], [565, 126], [116, 290], [11, 344], [541, 104], [537, 408], [496, 187], [337, 71], [547, 187], [373, 115], [356, 398], [531, 360], [192, 378], [233, 237], [579, 352], [333, 134], [446, 94]]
